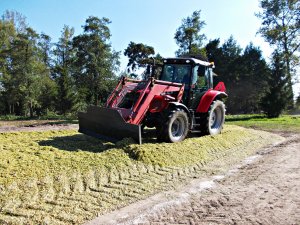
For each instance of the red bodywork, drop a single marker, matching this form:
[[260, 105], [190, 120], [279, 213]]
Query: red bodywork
[[210, 96], [151, 96]]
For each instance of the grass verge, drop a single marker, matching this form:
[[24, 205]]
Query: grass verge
[[285, 123], [63, 177]]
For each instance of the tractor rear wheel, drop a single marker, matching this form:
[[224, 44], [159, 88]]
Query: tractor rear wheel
[[175, 129], [214, 119]]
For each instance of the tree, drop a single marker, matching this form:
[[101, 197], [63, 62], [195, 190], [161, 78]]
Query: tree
[[213, 51], [298, 101], [63, 71], [225, 58], [244, 72], [252, 76], [275, 100], [28, 70], [140, 56], [25, 76], [17, 19], [95, 61], [188, 36], [137, 54], [281, 28], [8, 33], [45, 46]]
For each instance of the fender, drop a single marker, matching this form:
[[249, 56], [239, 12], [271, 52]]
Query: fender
[[208, 98], [180, 105]]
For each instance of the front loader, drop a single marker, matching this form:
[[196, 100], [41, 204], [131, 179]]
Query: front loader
[[182, 100]]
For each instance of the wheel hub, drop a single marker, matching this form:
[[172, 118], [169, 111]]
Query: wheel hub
[[213, 118], [177, 127], [216, 118]]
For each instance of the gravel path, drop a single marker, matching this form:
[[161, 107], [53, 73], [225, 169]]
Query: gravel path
[[264, 191]]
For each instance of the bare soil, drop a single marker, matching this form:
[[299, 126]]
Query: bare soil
[[35, 126], [264, 189]]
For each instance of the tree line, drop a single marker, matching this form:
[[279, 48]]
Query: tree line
[[38, 77]]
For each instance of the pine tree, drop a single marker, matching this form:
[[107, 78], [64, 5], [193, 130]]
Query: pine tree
[[63, 71], [95, 62], [137, 54], [188, 36], [277, 98], [281, 28]]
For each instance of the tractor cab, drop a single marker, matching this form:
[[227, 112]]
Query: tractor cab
[[195, 74]]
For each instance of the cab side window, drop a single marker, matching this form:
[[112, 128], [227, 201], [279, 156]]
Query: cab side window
[[200, 77]]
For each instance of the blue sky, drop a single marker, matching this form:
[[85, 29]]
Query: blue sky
[[151, 22]]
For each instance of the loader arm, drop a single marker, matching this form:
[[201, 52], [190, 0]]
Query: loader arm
[[154, 87]]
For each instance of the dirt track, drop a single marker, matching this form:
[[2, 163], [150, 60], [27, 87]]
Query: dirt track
[[37, 127], [263, 192]]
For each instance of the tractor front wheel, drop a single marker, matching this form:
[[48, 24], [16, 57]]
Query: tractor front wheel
[[214, 119], [175, 129]]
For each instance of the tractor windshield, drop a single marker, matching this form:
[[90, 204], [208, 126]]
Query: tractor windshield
[[176, 73]]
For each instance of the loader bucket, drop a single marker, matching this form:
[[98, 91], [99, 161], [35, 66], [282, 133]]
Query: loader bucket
[[108, 124]]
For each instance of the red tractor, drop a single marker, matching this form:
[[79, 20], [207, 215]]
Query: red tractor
[[182, 100]]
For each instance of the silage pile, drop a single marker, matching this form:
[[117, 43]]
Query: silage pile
[[62, 177]]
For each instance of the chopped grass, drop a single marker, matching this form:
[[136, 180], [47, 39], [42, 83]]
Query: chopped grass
[[63, 177], [285, 123], [193, 150]]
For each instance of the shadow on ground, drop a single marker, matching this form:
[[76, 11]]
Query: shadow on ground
[[82, 142], [78, 142]]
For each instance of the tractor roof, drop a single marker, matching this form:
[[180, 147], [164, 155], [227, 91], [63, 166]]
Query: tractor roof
[[187, 60]]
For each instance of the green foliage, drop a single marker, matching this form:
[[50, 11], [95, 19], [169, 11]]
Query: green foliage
[[63, 71], [25, 74], [188, 36], [26, 84], [252, 76], [38, 77], [45, 46], [298, 101], [277, 98], [245, 74], [95, 61], [141, 56], [137, 53], [281, 28]]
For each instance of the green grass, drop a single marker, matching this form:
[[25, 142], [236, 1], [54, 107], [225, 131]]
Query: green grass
[[63, 177], [285, 123]]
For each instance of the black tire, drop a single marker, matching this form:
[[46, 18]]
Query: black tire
[[176, 128], [214, 119]]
